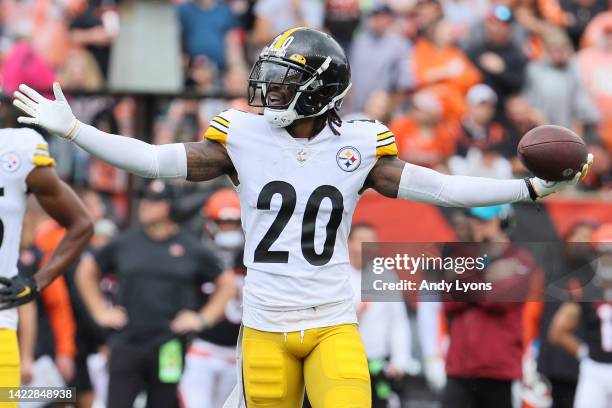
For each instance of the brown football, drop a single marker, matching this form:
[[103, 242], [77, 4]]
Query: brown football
[[552, 153]]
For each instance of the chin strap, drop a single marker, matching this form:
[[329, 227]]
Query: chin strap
[[285, 117]]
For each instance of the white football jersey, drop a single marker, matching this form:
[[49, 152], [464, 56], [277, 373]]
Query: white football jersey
[[297, 199], [21, 150]]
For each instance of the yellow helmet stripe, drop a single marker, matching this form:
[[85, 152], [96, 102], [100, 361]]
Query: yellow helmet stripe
[[279, 43]]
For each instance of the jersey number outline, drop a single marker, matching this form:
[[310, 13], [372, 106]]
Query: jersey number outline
[[1, 223], [263, 254]]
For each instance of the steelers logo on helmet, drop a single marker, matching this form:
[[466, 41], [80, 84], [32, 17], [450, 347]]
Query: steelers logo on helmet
[[348, 158], [302, 73]]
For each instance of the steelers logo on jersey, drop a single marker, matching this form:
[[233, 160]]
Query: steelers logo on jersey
[[348, 158], [10, 162]]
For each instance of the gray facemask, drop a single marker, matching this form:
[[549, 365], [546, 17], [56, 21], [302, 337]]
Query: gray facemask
[[229, 239]]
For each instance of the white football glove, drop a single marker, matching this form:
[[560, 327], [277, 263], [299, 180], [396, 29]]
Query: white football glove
[[542, 188], [55, 116]]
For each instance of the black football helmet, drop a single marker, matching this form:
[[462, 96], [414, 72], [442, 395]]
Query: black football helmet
[[302, 73]]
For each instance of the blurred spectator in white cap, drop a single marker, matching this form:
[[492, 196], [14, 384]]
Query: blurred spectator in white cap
[[482, 143], [478, 125], [480, 93], [380, 60], [553, 85], [272, 17]]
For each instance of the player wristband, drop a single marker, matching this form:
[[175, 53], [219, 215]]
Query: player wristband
[[532, 193], [72, 132]]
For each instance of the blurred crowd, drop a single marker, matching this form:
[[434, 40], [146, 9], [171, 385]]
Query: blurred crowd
[[457, 81]]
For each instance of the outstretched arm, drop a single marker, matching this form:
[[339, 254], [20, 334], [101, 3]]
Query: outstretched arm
[[395, 178], [194, 161]]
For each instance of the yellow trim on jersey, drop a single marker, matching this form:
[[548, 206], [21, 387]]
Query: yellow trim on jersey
[[385, 144], [216, 135], [41, 160], [384, 135], [221, 121], [42, 146], [281, 40], [389, 149], [217, 130]]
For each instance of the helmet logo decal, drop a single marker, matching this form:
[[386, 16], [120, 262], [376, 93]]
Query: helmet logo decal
[[298, 58], [348, 158]]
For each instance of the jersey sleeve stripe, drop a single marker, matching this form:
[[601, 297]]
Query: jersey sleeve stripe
[[221, 121], [384, 134], [391, 136], [42, 146], [219, 128], [40, 160], [389, 143]]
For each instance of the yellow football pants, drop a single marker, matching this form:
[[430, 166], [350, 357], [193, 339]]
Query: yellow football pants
[[329, 361], [9, 363]]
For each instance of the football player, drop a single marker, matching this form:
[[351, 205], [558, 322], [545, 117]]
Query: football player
[[299, 171], [593, 313], [26, 166]]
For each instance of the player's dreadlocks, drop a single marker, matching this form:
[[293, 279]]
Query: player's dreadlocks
[[333, 120]]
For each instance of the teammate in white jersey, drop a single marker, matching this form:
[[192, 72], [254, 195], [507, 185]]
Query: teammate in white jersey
[[26, 166], [299, 170]]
